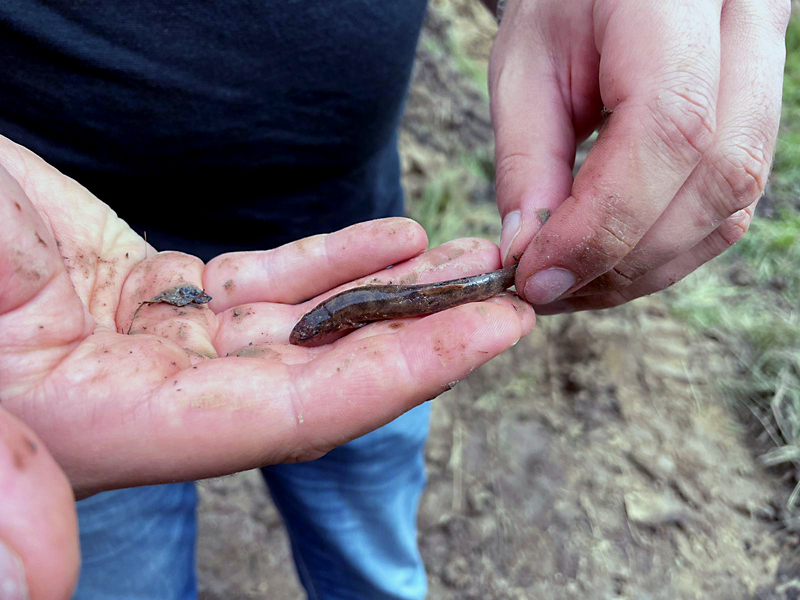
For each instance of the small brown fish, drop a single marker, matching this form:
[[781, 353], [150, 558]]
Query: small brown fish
[[362, 305]]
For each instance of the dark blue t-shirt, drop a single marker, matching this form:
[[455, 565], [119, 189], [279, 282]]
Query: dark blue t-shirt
[[215, 126]]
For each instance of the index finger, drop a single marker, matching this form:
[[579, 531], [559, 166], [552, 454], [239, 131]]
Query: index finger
[[662, 105], [303, 269]]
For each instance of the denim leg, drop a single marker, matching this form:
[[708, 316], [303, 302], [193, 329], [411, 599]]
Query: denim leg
[[352, 514], [138, 544]]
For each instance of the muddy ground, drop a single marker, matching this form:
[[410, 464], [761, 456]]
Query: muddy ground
[[593, 460]]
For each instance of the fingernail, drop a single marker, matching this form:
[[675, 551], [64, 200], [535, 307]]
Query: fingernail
[[12, 576], [509, 232], [548, 285]]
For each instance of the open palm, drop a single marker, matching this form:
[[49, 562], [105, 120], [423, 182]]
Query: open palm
[[200, 391]]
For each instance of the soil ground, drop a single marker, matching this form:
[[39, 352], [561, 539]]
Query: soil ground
[[593, 460]]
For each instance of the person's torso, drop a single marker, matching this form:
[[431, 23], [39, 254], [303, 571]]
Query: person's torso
[[253, 104]]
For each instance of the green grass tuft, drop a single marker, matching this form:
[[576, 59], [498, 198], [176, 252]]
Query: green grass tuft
[[760, 317], [447, 212], [786, 175], [760, 321], [772, 249]]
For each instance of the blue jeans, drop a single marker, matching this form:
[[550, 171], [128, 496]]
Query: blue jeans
[[350, 515]]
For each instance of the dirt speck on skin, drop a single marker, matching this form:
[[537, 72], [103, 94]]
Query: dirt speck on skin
[[437, 260], [29, 274], [410, 279], [544, 215], [345, 364], [302, 246], [229, 285], [259, 352], [27, 266], [206, 401], [22, 451], [203, 355]]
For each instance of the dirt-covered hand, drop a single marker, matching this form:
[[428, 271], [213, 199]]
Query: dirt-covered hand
[[206, 389], [690, 93]]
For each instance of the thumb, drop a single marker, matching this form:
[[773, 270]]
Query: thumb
[[541, 105], [39, 555]]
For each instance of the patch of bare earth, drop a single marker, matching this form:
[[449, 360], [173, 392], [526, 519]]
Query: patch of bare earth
[[593, 460]]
